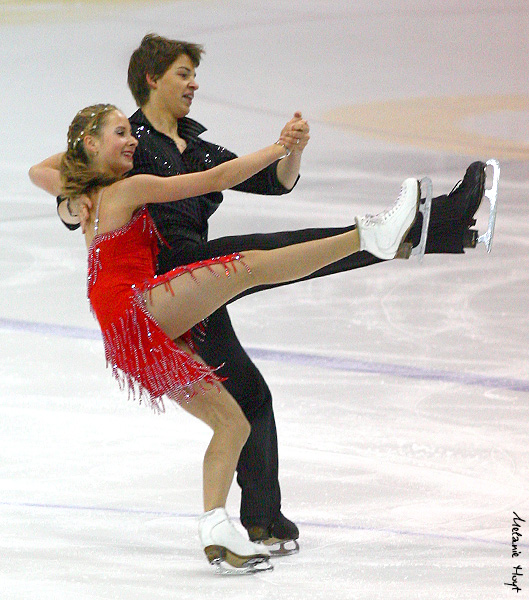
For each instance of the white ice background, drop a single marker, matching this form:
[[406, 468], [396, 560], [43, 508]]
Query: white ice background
[[401, 391]]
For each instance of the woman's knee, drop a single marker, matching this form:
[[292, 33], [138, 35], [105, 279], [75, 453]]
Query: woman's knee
[[222, 414], [236, 425]]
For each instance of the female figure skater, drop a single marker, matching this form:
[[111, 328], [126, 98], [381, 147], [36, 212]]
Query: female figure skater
[[145, 320]]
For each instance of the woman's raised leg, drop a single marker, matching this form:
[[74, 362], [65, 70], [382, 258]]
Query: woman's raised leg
[[188, 299]]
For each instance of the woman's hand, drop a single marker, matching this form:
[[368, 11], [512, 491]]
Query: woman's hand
[[295, 134], [76, 211]]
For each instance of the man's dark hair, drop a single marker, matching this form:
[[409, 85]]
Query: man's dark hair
[[153, 57]]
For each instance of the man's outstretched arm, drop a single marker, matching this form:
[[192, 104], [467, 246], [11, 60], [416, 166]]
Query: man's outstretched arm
[[46, 176]]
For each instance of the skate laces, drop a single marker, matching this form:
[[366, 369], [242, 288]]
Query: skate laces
[[386, 214]]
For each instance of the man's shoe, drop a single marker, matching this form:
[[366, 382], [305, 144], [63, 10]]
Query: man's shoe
[[452, 215], [280, 537], [468, 193]]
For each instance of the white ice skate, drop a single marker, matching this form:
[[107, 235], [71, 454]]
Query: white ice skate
[[382, 234], [227, 549], [492, 195], [406, 249]]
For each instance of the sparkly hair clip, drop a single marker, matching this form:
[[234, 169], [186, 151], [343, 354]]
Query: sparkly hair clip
[[93, 128], [81, 135]]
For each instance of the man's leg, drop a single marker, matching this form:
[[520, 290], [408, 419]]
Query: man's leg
[[257, 468]]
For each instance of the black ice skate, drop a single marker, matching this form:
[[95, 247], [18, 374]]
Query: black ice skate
[[469, 193], [280, 538]]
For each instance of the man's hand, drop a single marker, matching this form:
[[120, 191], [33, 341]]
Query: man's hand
[[299, 128], [84, 207]]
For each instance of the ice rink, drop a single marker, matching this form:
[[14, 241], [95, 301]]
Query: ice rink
[[401, 390]]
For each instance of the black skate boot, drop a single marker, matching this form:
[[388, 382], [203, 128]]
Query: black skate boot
[[280, 537], [469, 193], [474, 188], [452, 215]]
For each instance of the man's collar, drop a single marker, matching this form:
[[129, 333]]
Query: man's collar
[[186, 127]]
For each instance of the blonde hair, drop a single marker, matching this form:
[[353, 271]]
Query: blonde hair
[[77, 173]]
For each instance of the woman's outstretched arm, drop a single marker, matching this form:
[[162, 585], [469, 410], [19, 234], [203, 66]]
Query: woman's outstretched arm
[[146, 189]]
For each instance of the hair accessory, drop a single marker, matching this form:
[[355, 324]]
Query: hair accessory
[[84, 132]]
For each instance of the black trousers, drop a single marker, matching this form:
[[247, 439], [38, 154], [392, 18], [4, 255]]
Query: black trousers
[[257, 470]]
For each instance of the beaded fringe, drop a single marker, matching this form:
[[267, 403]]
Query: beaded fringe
[[145, 361]]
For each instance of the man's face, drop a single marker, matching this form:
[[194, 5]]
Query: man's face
[[176, 88]]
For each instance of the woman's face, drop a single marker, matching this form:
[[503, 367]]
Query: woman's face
[[116, 145]]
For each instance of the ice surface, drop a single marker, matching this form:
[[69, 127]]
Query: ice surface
[[401, 391]]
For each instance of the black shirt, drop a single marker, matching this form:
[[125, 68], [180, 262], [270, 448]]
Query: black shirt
[[158, 154]]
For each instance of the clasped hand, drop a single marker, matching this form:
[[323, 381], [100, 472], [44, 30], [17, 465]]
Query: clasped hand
[[295, 134]]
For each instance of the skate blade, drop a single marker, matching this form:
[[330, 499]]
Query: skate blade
[[492, 195], [279, 548], [425, 207], [224, 568], [406, 249], [229, 563]]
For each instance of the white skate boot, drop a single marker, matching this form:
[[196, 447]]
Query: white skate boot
[[229, 550], [492, 195], [382, 234]]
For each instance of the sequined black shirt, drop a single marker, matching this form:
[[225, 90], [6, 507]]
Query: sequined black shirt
[[157, 154]]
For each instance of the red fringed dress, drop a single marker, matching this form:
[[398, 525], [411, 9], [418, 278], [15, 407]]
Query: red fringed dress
[[121, 267]]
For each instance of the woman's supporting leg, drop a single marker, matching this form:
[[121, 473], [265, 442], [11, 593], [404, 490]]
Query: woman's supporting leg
[[230, 429], [222, 542], [215, 407]]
